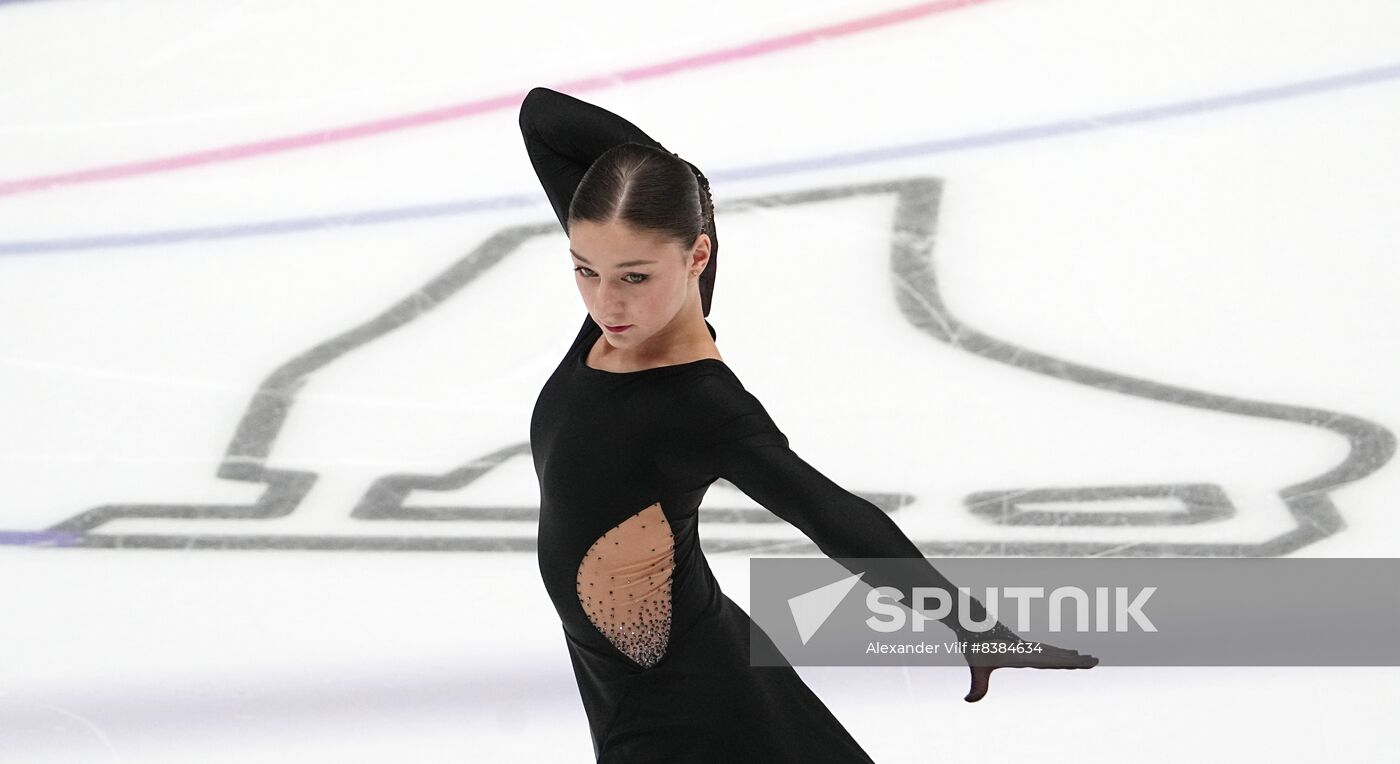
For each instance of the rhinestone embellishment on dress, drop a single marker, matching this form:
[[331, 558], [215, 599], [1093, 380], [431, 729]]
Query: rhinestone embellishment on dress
[[624, 585]]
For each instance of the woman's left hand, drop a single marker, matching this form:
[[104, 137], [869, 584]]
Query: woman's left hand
[[1047, 656]]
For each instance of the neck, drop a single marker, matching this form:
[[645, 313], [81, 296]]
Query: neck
[[683, 339]]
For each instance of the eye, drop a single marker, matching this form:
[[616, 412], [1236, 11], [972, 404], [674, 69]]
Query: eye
[[588, 273]]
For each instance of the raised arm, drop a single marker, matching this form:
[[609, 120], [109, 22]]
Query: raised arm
[[564, 136]]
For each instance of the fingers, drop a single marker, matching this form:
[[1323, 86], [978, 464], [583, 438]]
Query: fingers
[[1067, 660], [982, 675], [981, 678], [1055, 658], [1073, 658]]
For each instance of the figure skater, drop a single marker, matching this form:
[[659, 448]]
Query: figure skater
[[635, 423]]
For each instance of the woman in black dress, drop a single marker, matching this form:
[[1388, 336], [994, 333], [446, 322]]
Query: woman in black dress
[[628, 433]]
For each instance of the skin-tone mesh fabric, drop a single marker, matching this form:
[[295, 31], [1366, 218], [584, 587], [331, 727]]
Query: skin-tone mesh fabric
[[624, 585]]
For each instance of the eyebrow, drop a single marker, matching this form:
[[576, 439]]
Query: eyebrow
[[620, 265]]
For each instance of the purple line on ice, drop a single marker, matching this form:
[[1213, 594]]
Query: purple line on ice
[[959, 143], [38, 538]]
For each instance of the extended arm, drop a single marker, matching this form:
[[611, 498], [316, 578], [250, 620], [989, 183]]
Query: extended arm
[[738, 441], [564, 136], [734, 438]]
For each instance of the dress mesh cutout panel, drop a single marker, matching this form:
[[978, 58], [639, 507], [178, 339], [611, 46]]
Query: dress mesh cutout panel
[[624, 585]]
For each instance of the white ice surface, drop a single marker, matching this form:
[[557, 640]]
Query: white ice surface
[[1248, 251]]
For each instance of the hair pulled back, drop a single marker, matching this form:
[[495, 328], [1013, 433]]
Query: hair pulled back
[[651, 190]]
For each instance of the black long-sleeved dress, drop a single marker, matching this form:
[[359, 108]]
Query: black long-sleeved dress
[[623, 459]]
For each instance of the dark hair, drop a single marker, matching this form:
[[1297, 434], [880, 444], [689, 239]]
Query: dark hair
[[652, 190]]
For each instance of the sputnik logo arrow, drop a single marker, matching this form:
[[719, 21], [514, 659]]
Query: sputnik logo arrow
[[810, 610]]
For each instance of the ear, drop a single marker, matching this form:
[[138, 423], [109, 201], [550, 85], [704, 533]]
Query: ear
[[700, 253]]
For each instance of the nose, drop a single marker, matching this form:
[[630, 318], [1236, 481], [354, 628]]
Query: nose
[[609, 301]]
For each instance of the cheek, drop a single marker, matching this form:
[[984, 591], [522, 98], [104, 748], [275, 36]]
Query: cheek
[[677, 281], [668, 290]]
